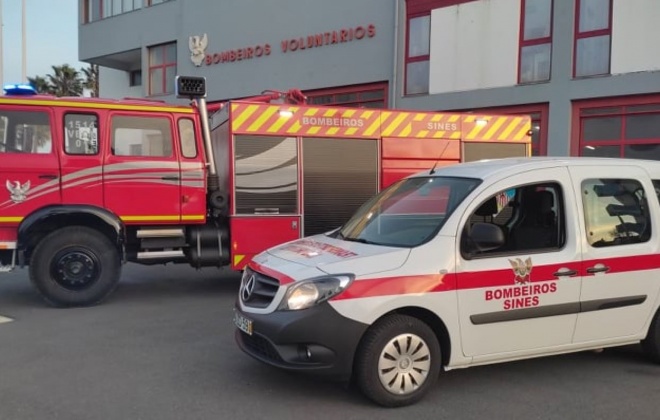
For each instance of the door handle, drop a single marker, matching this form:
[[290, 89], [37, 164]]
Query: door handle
[[565, 272], [170, 178], [45, 176], [598, 268]]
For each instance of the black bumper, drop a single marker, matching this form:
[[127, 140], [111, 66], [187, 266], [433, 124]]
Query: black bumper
[[316, 340]]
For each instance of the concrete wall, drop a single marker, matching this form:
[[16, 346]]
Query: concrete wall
[[115, 84], [635, 36]]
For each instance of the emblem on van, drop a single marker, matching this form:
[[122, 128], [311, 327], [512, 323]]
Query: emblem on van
[[197, 45], [18, 192], [522, 270], [248, 288]]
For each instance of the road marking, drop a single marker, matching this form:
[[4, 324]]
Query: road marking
[[4, 319]]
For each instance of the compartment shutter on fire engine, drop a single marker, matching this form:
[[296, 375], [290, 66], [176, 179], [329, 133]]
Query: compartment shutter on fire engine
[[339, 176]]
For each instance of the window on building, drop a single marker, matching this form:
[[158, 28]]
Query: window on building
[[162, 69], [418, 54], [141, 136], [535, 41], [363, 96], [135, 78], [593, 35], [629, 128], [94, 10]]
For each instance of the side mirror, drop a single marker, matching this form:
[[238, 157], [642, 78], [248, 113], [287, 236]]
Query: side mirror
[[486, 236]]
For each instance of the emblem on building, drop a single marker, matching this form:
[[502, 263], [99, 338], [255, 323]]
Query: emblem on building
[[521, 270], [18, 192], [198, 46]]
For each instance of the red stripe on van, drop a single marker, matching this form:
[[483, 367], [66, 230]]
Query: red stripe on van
[[283, 278], [398, 286]]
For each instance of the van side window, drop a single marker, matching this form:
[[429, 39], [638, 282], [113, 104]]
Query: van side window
[[141, 136], [530, 218], [81, 134], [615, 212], [25, 132]]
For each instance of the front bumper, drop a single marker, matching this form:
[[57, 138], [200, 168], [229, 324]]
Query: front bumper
[[317, 340]]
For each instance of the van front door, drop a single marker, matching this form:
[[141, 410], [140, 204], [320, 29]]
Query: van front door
[[524, 293]]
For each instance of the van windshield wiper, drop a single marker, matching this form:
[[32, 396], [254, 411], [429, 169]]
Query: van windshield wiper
[[361, 240]]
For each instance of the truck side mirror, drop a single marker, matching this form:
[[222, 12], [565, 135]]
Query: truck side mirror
[[486, 236]]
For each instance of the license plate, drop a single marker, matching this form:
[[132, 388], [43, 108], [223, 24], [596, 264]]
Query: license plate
[[242, 323]]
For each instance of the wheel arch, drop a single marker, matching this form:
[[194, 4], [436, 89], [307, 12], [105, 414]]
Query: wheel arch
[[45, 220], [433, 321]]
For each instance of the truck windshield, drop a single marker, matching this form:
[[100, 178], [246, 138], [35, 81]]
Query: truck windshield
[[408, 213]]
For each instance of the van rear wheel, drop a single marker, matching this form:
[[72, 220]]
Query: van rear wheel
[[651, 344], [75, 266], [398, 361]]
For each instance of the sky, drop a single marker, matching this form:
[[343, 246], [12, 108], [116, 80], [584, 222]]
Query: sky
[[51, 37]]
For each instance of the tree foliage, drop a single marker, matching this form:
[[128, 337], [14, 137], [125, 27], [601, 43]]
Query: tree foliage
[[67, 81]]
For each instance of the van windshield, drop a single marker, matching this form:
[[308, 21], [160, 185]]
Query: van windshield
[[408, 213]]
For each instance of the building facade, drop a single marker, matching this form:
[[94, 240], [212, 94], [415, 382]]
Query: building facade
[[585, 70]]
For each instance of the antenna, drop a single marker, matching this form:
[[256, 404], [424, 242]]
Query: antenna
[[432, 171]]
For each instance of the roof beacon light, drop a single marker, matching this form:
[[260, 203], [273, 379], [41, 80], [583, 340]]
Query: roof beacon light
[[22, 89]]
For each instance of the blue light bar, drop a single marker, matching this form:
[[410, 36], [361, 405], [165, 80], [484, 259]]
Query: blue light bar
[[22, 89]]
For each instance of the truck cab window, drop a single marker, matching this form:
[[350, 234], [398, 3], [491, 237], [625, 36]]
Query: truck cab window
[[529, 217], [81, 134], [615, 212], [187, 137], [25, 132], [141, 136]]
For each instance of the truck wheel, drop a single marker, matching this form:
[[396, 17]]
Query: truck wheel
[[651, 344], [75, 266], [398, 361]]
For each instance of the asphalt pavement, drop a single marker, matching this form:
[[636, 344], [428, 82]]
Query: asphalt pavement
[[161, 347]]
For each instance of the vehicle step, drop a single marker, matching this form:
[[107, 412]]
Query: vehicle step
[[147, 255], [160, 233]]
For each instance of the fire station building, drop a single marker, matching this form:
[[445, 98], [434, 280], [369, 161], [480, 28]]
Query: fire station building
[[587, 71]]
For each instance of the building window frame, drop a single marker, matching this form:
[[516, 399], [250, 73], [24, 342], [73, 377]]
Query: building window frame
[[534, 42], [579, 35], [621, 108], [417, 9], [372, 95], [161, 67]]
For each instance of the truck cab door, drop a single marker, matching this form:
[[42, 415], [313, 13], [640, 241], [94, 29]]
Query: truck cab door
[[141, 173], [521, 294], [620, 268], [29, 164]]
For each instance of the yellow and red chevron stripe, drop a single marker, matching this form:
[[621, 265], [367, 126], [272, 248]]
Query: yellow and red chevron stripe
[[303, 120]]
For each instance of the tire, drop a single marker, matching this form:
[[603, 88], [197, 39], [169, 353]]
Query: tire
[[384, 370], [651, 344], [75, 266]]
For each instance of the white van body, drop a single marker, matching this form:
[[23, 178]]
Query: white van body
[[471, 264]]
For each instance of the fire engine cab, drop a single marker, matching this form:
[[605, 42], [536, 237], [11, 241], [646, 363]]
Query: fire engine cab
[[88, 184]]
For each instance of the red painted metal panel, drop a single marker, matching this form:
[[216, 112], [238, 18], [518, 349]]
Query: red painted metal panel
[[251, 235]]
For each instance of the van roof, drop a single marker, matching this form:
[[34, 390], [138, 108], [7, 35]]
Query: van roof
[[131, 104], [509, 166]]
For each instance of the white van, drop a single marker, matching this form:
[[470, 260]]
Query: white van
[[467, 265]]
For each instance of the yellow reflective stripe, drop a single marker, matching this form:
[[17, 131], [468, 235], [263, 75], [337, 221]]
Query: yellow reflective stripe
[[149, 218], [512, 125], [494, 128], [192, 217], [244, 116], [11, 219], [262, 119], [238, 259]]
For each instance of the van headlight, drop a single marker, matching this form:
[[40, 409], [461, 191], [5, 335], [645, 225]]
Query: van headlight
[[307, 293]]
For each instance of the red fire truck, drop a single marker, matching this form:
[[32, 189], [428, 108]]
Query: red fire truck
[[87, 184]]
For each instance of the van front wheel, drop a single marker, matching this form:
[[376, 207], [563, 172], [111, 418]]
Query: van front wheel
[[398, 361], [75, 266]]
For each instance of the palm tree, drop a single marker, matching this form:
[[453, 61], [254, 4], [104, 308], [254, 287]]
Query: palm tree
[[41, 84], [66, 81], [91, 79]]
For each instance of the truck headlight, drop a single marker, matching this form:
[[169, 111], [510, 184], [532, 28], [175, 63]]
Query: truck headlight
[[308, 293]]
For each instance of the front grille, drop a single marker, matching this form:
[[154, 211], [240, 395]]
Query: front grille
[[257, 290], [260, 347]]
